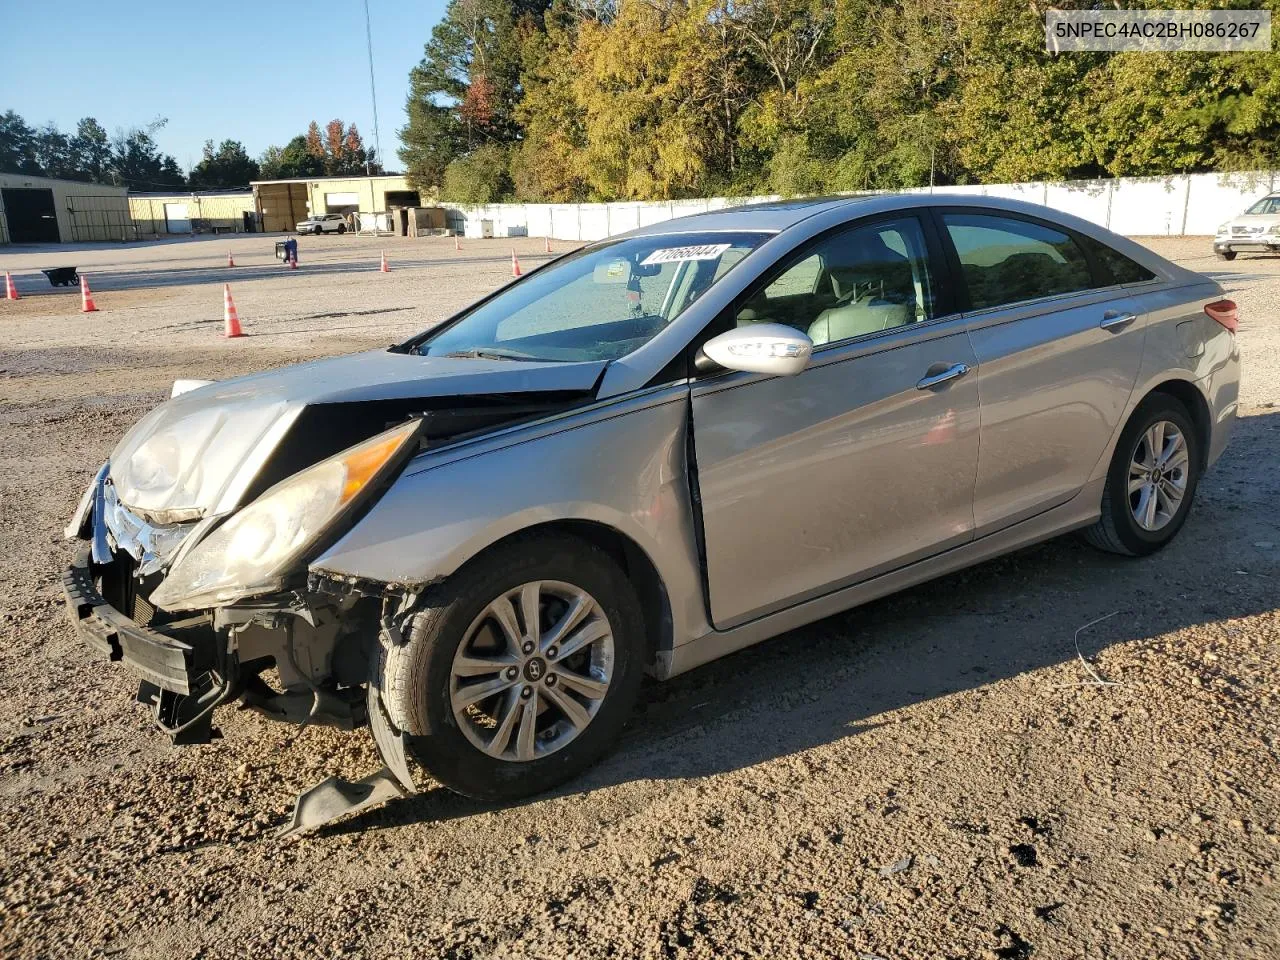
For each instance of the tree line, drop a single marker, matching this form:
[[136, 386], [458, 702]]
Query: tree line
[[131, 158], [573, 100]]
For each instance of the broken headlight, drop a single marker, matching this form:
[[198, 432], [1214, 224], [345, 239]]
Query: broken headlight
[[252, 552]]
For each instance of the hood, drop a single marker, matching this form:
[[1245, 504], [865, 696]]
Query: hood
[[1255, 220], [203, 452]]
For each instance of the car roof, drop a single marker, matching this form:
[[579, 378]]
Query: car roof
[[772, 215], [782, 215]]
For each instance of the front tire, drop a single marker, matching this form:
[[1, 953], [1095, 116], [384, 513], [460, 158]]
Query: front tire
[[1151, 481], [498, 708], [1225, 254]]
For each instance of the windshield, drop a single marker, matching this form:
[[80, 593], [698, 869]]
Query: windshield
[[600, 303], [1267, 205]]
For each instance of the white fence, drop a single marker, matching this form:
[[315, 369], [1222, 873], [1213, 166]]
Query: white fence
[[1186, 205]]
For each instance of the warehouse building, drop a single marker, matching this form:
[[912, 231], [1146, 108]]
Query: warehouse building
[[222, 211], [45, 210], [280, 204]]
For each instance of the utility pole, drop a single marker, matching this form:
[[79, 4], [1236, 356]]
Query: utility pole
[[373, 92]]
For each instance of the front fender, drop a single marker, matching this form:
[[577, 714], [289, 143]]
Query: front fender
[[622, 464]]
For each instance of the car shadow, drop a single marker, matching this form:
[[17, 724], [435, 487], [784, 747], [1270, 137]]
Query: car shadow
[[1009, 617]]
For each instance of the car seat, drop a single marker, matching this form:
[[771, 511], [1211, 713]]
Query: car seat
[[875, 290]]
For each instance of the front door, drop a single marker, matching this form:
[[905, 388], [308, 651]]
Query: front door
[[862, 463]]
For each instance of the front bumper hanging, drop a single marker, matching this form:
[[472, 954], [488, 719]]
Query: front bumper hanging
[[180, 681]]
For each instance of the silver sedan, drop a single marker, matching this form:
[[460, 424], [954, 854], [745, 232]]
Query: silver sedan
[[645, 455]]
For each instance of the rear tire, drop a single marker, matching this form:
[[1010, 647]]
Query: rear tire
[[454, 630], [1139, 515], [342, 228]]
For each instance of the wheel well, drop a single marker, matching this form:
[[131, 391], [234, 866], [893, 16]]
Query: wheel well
[[1187, 394], [635, 563]]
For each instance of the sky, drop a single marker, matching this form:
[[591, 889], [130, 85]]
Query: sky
[[227, 69]]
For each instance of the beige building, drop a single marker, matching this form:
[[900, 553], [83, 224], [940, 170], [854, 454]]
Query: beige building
[[227, 211], [44, 210], [282, 203]]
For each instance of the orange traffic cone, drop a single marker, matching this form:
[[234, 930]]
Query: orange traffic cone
[[231, 261], [230, 319], [385, 268], [515, 264], [10, 291], [548, 243], [86, 298]]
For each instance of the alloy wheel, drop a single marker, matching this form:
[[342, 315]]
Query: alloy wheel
[[532, 670], [1158, 473]]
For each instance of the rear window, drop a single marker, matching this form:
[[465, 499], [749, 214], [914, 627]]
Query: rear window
[[1118, 267], [1008, 261]]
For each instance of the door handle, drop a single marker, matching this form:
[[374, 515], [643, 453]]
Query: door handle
[[1115, 320], [951, 373]]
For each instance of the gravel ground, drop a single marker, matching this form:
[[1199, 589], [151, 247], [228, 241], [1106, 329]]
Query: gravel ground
[[934, 775]]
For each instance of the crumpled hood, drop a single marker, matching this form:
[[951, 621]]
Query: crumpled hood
[[196, 454]]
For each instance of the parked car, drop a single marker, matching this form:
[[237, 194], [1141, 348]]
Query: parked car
[[1258, 228], [324, 223], [646, 454]]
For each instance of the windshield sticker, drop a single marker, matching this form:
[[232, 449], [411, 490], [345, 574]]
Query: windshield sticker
[[707, 251]]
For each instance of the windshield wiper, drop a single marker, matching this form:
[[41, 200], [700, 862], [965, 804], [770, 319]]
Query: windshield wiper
[[478, 354]]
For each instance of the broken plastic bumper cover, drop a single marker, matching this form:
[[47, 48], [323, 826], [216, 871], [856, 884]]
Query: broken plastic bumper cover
[[159, 658]]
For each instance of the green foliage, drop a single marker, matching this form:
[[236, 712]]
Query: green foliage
[[291, 162], [466, 91], [137, 163], [337, 150], [227, 167], [478, 177], [649, 99], [130, 158]]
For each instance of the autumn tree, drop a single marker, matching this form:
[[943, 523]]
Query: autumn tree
[[466, 90], [649, 99], [315, 143]]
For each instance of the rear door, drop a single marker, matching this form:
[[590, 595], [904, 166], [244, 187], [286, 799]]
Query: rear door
[[860, 464], [1059, 345]]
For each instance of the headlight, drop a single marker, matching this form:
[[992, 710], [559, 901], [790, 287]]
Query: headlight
[[1225, 227], [1274, 228], [251, 552]]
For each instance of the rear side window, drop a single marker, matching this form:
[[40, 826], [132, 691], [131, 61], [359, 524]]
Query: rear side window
[[1116, 265], [1007, 261]]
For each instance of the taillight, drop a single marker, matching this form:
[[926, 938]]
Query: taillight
[[1224, 311]]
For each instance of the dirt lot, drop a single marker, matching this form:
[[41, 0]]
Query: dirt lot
[[935, 775]]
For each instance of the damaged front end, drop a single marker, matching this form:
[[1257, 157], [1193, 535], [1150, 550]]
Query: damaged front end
[[201, 610], [210, 605]]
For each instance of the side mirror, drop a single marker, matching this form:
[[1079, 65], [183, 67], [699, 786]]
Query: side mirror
[[772, 348]]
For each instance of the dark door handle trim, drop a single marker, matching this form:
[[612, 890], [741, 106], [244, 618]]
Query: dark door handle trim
[[952, 372], [1115, 320]]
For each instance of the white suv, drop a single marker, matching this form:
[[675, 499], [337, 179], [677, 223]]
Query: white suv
[[324, 223], [1258, 228]]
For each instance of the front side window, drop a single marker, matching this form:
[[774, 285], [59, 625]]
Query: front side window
[[1267, 206], [860, 281], [600, 303], [1005, 260]]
